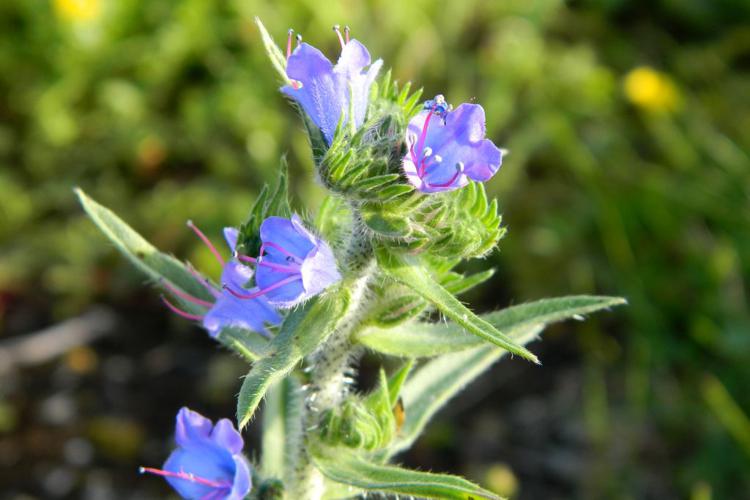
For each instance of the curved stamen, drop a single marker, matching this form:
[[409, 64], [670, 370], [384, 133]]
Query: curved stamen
[[187, 476], [257, 294], [346, 33], [299, 40], [183, 295], [206, 241], [176, 310], [247, 258], [459, 171], [290, 33], [337, 29], [279, 248], [423, 135]]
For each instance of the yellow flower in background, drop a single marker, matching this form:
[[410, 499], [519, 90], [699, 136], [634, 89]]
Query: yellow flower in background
[[78, 10], [651, 90]]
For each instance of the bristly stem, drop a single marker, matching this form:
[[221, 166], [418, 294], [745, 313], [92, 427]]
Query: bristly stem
[[330, 367]]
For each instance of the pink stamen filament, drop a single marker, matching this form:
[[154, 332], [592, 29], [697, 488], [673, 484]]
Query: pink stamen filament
[[195, 300], [206, 241], [257, 294], [346, 33], [180, 312], [422, 137], [459, 171], [247, 258], [337, 29], [185, 476], [289, 44], [280, 249]]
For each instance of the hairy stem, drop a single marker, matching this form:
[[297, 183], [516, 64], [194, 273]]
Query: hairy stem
[[330, 367]]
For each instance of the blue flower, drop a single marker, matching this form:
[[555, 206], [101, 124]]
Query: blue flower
[[446, 147], [324, 90], [227, 310], [208, 462], [293, 264]]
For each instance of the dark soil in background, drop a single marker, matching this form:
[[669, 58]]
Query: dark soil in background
[[80, 425]]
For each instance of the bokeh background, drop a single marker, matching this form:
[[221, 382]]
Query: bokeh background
[[628, 124]]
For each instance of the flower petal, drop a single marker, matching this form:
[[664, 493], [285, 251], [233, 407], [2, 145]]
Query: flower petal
[[248, 314], [226, 436], [231, 234], [320, 93], [191, 428]]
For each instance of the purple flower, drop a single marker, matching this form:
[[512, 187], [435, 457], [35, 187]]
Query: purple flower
[[446, 147], [293, 264], [325, 91], [208, 462], [227, 310]]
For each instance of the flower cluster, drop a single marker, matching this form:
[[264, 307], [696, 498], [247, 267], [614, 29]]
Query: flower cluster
[[445, 149]]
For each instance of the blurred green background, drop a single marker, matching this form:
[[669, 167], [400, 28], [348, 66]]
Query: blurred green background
[[628, 125]]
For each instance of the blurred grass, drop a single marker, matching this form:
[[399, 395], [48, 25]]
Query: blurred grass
[[628, 125]]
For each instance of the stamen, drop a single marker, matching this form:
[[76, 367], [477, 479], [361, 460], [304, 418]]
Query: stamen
[[337, 29], [289, 43], [459, 171], [279, 248], [257, 294], [176, 310], [183, 295], [299, 39], [206, 241], [187, 476], [346, 33], [247, 258], [422, 137]]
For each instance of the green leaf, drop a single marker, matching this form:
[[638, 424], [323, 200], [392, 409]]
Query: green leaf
[[155, 264], [159, 266], [282, 430], [459, 284], [266, 205], [278, 60], [431, 339], [303, 330], [411, 273], [343, 466]]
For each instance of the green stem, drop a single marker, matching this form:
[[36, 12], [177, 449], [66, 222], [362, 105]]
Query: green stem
[[330, 367]]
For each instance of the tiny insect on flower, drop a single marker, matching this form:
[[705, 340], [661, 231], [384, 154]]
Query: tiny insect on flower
[[226, 310], [447, 147], [327, 92], [208, 461], [293, 264]]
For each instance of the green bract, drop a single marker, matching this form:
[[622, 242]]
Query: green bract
[[397, 250]]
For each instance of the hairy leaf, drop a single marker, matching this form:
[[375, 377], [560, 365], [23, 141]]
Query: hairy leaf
[[411, 273], [302, 331], [431, 339], [344, 466]]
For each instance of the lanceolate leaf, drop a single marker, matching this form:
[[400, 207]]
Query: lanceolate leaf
[[343, 466], [159, 266], [303, 330], [274, 52], [141, 253], [411, 273], [431, 339]]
